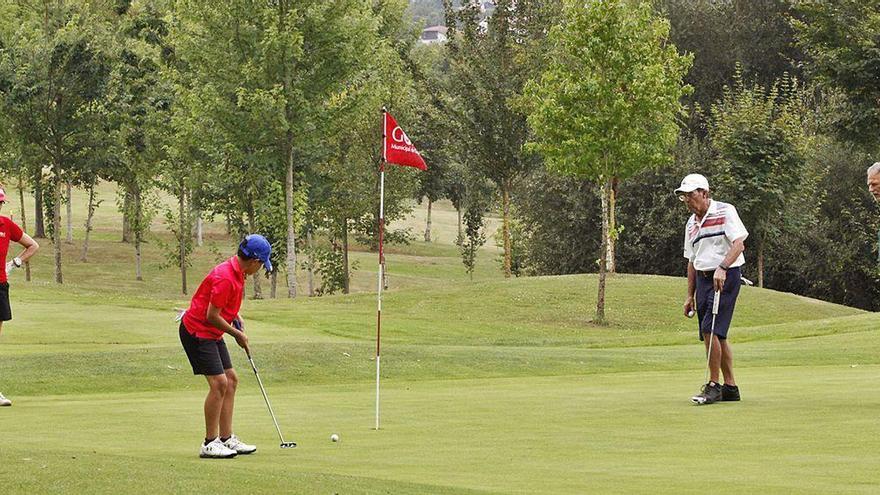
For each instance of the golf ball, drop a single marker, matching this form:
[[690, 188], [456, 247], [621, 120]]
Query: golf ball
[[691, 314], [334, 437]]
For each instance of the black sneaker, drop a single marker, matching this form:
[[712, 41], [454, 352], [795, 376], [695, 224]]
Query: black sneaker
[[711, 393], [729, 393]]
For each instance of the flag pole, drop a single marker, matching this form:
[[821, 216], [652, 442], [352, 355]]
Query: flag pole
[[381, 252]]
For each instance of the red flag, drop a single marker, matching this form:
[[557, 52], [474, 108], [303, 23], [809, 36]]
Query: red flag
[[399, 150]]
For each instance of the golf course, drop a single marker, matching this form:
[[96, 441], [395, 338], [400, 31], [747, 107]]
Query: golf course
[[488, 385]]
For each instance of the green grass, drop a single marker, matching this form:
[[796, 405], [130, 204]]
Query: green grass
[[489, 386]]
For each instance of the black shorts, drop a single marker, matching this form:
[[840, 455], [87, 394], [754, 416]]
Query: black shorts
[[5, 308], [206, 356]]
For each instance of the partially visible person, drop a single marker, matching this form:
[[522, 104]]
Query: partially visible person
[[874, 180], [10, 232], [714, 238], [213, 312]]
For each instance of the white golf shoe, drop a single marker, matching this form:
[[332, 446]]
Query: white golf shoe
[[4, 401], [216, 450], [238, 446]]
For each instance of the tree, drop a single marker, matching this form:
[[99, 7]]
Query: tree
[[432, 123], [721, 34], [606, 106], [134, 98], [280, 65], [843, 225], [841, 39], [489, 66], [760, 137], [56, 70], [474, 237]]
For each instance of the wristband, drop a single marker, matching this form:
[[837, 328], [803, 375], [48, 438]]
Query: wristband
[[725, 268]]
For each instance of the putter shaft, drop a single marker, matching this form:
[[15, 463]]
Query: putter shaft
[[284, 445]]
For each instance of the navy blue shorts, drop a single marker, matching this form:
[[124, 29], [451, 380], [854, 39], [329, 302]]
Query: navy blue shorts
[[705, 295]]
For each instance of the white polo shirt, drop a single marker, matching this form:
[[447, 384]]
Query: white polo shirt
[[707, 243]]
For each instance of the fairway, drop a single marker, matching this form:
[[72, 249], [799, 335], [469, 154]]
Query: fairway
[[488, 387]]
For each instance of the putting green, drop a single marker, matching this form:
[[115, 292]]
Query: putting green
[[489, 387]]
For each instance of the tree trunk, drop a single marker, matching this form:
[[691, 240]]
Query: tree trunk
[[27, 265], [89, 215], [69, 205], [200, 229], [603, 258], [505, 226], [428, 223], [182, 236], [39, 222], [290, 113], [291, 229], [137, 228], [311, 265], [347, 287], [459, 238], [56, 224], [252, 226], [760, 261], [258, 288], [126, 220], [274, 289], [612, 226]]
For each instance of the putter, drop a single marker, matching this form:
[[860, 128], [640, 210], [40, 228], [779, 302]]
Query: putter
[[284, 445], [698, 399]]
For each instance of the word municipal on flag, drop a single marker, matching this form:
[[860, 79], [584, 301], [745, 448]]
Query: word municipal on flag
[[399, 150]]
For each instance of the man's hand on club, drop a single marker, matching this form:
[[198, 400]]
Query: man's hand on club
[[242, 341], [719, 278]]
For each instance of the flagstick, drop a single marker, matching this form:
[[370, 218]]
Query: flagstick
[[381, 256]]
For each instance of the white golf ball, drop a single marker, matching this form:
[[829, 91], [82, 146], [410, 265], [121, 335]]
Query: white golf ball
[[334, 437], [691, 314]]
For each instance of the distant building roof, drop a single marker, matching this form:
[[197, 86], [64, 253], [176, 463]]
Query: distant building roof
[[434, 34]]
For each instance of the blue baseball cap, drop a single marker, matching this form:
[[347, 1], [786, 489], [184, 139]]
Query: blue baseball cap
[[257, 247]]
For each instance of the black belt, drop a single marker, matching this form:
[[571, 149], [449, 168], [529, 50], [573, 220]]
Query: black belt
[[711, 273]]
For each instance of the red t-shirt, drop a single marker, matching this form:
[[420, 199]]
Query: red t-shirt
[[9, 232], [224, 288]]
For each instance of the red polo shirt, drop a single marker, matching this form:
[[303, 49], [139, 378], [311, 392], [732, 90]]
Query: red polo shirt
[[9, 232], [224, 288]]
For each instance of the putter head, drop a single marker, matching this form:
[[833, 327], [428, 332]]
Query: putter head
[[698, 400], [288, 445]]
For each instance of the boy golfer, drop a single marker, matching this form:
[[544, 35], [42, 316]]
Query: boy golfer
[[212, 313], [713, 246], [10, 232]]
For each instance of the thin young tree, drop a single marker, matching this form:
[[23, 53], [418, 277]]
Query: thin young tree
[[490, 61], [607, 103]]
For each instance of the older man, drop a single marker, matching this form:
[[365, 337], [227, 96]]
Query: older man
[[713, 245], [874, 180]]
